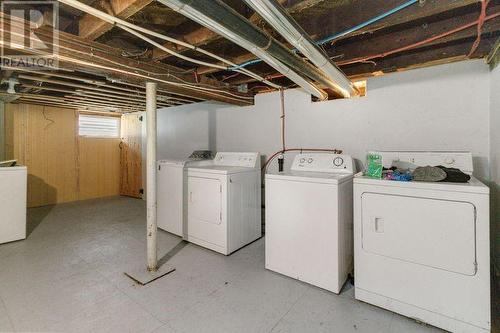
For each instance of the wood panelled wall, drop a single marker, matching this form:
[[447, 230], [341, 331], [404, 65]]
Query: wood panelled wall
[[62, 166]]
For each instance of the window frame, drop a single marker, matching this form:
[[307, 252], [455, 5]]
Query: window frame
[[117, 135]]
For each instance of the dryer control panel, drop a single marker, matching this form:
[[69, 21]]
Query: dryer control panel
[[323, 162], [411, 159], [248, 160]]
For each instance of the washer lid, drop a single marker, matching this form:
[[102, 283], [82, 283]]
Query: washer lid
[[473, 186], [220, 169], [174, 163], [312, 177], [184, 163]]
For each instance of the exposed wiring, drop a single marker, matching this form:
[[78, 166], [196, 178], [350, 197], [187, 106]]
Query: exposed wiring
[[161, 47], [414, 45], [137, 30], [195, 61], [135, 54], [284, 150], [345, 32], [230, 76], [189, 85], [480, 23], [282, 117], [366, 23], [404, 48]]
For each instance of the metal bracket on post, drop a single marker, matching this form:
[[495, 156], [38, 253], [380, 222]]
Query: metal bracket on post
[[151, 272]]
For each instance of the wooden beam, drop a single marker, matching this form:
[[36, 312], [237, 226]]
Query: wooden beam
[[347, 16], [440, 54], [91, 27]]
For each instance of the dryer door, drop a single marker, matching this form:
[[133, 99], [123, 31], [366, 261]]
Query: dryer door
[[204, 199], [424, 231], [205, 212]]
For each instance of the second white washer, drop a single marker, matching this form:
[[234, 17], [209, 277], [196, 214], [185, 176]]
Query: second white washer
[[309, 220]]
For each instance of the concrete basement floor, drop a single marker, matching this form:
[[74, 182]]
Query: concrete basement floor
[[68, 277]]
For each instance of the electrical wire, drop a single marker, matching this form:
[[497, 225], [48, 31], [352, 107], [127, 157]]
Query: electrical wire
[[282, 117], [480, 23], [414, 45], [366, 23], [346, 32], [135, 29], [199, 62], [161, 47], [283, 137], [405, 48]]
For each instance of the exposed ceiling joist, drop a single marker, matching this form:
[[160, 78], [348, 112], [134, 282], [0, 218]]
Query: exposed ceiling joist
[[80, 54], [439, 54], [91, 27], [345, 17]]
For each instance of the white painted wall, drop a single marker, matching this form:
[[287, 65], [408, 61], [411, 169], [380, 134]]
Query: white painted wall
[[182, 130], [438, 108], [495, 157], [186, 128]]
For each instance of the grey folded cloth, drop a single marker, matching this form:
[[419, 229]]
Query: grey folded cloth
[[428, 174]]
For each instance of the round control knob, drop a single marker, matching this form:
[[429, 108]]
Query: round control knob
[[302, 160], [338, 161], [310, 160], [449, 160]]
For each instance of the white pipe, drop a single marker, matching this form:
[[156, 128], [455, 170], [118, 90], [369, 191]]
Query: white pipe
[[213, 25], [282, 22], [151, 175]]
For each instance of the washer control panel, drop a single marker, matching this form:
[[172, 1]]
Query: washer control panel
[[248, 160], [323, 162]]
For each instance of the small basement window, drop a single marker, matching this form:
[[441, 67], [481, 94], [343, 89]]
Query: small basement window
[[99, 126]]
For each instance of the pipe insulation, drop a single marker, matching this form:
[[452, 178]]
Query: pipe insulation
[[222, 19], [283, 22]]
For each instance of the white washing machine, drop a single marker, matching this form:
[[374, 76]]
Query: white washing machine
[[224, 204], [13, 189], [309, 220], [421, 249], [171, 194]]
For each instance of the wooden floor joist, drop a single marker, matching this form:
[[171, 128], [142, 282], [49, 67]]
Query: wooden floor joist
[[91, 27], [76, 53]]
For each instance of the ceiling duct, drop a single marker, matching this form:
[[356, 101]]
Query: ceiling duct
[[283, 22], [222, 19]]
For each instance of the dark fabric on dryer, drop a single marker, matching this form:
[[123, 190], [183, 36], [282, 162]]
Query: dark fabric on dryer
[[454, 175]]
